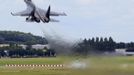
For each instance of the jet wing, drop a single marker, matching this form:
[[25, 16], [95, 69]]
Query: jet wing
[[22, 13], [26, 12], [52, 13]]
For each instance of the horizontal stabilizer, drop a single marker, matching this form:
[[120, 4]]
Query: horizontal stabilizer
[[63, 14], [53, 20]]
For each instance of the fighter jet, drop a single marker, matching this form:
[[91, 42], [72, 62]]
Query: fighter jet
[[35, 14]]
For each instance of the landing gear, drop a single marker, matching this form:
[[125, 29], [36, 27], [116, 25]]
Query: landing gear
[[27, 18], [32, 19]]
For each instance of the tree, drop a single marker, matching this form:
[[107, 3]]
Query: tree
[[20, 38], [94, 46], [111, 45], [2, 39], [120, 45]]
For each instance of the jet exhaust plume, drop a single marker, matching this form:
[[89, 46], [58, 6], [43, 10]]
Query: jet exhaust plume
[[57, 42]]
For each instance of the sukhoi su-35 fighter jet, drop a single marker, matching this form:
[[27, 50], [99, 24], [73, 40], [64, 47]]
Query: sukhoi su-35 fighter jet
[[35, 14]]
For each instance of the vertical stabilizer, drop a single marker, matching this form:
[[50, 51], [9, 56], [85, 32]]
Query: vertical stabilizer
[[48, 13]]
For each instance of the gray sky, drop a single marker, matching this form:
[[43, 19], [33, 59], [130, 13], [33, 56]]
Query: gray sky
[[86, 18]]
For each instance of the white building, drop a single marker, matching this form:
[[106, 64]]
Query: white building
[[40, 46], [124, 52], [36, 46], [4, 45], [23, 46]]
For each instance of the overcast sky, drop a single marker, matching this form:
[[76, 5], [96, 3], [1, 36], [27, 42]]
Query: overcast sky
[[86, 18]]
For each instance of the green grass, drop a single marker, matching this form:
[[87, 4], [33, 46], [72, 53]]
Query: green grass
[[95, 66]]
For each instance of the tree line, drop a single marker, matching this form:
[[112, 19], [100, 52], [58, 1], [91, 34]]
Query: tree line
[[100, 45], [16, 37]]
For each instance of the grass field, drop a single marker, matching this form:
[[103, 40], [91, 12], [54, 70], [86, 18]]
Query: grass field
[[94, 66]]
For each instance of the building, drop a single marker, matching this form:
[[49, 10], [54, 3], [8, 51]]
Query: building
[[36, 46], [40, 46], [127, 52], [4, 45], [23, 46]]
